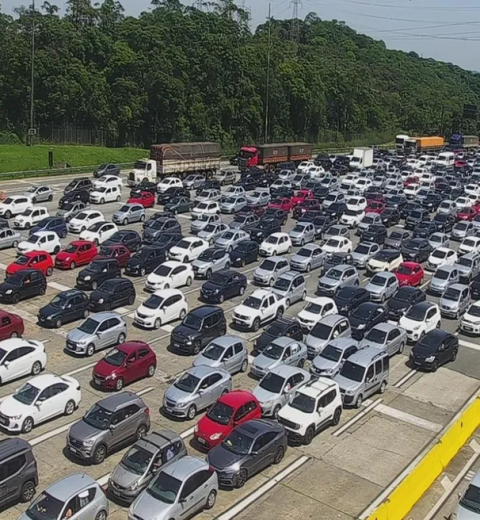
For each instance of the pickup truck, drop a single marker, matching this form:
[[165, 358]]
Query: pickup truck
[[258, 308]]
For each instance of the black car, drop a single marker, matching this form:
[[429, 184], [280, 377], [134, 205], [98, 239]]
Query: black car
[[390, 217], [402, 300], [22, 285], [223, 285], [322, 223], [126, 237], [261, 230], [145, 260], [408, 208], [65, 307], [247, 183], [335, 210], [444, 222], [72, 196], [424, 229], [209, 184], [198, 328], [150, 187], [156, 216], [348, 298], [435, 349], [396, 201], [266, 179], [310, 215], [304, 207], [475, 287], [97, 272], [281, 191], [415, 217], [374, 233], [157, 227], [321, 192], [81, 184], [365, 317], [432, 201], [112, 294], [245, 252], [278, 214], [171, 193], [168, 240], [416, 250], [279, 328]]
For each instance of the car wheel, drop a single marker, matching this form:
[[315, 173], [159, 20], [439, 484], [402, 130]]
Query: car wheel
[[271, 282], [276, 411], [49, 271], [151, 370], [34, 200], [125, 221], [27, 225], [189, 281], [438, 324], [278, 456], [211, 499], [241, 290], [15, 298], [42, 290], [454, 355], [131, 300], [8, 214], [307, 439], [383, 387], [101, 515], [301, 363], [244, 366], [185, 259], [58, 323], [121, 339], [336, 417], [28, 491], [242, 263], [73, 265], [256, 325], [196, 347], [192, 412], [435, 366], [289, 250], [401, 348], [99, 454], [15, 243], [119, 384], [14, 334], [359, 401], [27, 425], [118, 199], [279, 314], [166, 286], [302, 242], [102, 201], [241, 478], [94, 286], [309, 267], [63, 234], [91, 350], [36, 368], [208, 274], [143, 272], [141, 432], [304, 296], [287, 303], [157, 324], [69, 407], [142, 218]]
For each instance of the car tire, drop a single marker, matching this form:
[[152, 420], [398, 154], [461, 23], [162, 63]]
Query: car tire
[[36, 368], [308, 437], [14, 335], [101, 515], [301, 363], [34, 200], [58, 323], [69, 407], [94, 286], [336, 416], [197, 346], [287, 303], [185, 259], [91, 349], [279, 314], [15, 243], [27, 425], [189, 281], [42, 290], [276, 410], [49, 271], [27, 225], [278, 455], [15, 298], [454, 355], [182, 314], [401, 348], [211, 499], [302, 242], [151, 370], [256, 325], [102, 201], [309, 267], [8, 214], [289, 250], [435, 366], [118, 199], [27, 492], [241, 478], [242, 263], [383, 387], [119, 384], [143, 271], [359, 401], [244, 366], [271, 282], [125, 222], [241, 290], [208, 274], [157, 323], [99, 454], [192, 412], [121, 338], [64, 234], [304, 296], [131, 301], [73, 265]]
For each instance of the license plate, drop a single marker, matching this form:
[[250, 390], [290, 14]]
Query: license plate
[[417, 363], [238, 322], [72, 449], [3, 421], [467, 328], [177, 345], [115, 492], [97, 382], [201, 441]]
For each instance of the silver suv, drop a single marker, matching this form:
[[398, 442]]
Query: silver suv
[[108, 424], [291, 286], [97, 332], [270, 269], [468, 266], [209, 261], [336, 278], [302, 233], [330, 327]]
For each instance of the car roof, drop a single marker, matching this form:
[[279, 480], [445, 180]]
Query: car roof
[[342, 343], [290, 275], [341, 267], [458, 286], [71, 485], [256, 427], [425, 305], [165, 293], [182, 468], [34, 253], [317, 385], [172, 263], [367, 354], [10, 446], [43, 233], [332, 319], [201, 371], [105, 315], [447, 268], [226, 341], [112, 402], [439, 334], [204, 310], [385, 327], [286, 371], [131, 346], [45, 380], [261, 293], [384, 274], [158, 439], [237, 397]]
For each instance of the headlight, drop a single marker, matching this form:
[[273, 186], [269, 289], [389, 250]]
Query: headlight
[[111, 376], [89, 443], [215, 436], [216, 291], [49, 317], [133, 486], [429, 359], [100, 301], [182, 405], [361, 326], [196, 428], [9, 291], [16, 417], [67, 259], [235, 467], [88, 277], [238, 260]]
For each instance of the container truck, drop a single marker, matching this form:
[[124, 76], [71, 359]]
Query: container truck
[[424, 144], [361, 158], [463, 142], [271, 155], [400, 142], [177, 159]]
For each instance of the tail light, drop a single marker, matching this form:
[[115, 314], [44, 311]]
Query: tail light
[[211, 469], [147, 410]]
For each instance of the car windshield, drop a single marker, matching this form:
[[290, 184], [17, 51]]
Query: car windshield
[[268, 265], [352, 371], [89, 326], [469, 242], [207, 255], [333, 242], [22, 260], [471, 499], [81, 216], [98, 417], [305, 252], [154, 302], [115, 357], [303, 402], [273, 351], [452, 294], [272, 383], [379, 281], [368, 220], [461, 226], [439, 253], [59, 302], [321, 331], [331, 353], [187, 382], [314, 308], [213, 351], [376, 336], [272, 240], [71, 248], [26, 394], [467, 262], [137, 460], [220, 413], [33, 239], [436, 238], [45, 507], [385, 256], [363, 312], [403, 269], [163, 270], [192, 321], [238, 443], [362, 249], [209, 228], [416, 313], [352, 212], [96, 227], [156, 224], [282, 284], [334, 274], [164, 488]]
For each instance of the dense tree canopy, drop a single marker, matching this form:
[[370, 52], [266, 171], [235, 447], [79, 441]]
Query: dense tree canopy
[[178, 73]]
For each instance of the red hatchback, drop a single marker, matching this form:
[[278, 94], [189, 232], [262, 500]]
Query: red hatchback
[[39, 260], [11, 325], [78, 252], [467, 213], [300, 196], [374, 206], [281, 203], [145, 198], [409, 273], [118, 251], [124, 364], [229, 411]]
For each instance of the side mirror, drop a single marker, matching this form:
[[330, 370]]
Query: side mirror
[[6, 363], [200, 391], [113, 426], [182, 500], [254, 452]]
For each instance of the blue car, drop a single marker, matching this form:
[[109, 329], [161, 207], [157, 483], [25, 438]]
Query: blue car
[[56, 224]]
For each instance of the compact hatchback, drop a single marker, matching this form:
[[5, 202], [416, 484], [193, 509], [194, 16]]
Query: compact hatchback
[[65, 307]]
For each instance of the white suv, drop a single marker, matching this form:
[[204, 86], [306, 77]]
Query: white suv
[[15, 205], [312, 407], [260, 307], [47, 241]]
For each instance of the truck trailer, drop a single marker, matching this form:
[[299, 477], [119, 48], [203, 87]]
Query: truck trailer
[[361, 158], [463, 142], [424, 144], [271, 155]]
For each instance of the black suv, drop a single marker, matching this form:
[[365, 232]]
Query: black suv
[[424, 229], [67, 306], [83, 183], [223, 284], [112, 294], [162, 225], [335, 210], [444, 222], [126, 237], [348, 298], [145, 260], [279, 328], [263, 229], [416, 250], [402, 300], [415, 217], [365, 317], [198, 328], [97, 272], [375, 233], [243, 253], [406, 211], [390, 217], [171, 193], [73, 196], [22, 285]]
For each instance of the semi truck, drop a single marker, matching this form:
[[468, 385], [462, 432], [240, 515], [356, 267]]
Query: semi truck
[[424, 144], [400, 142], [463, 142], [361, 158], [271, 155], [177, 159]]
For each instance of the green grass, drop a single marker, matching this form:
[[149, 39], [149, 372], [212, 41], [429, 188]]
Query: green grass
[[17, 158]]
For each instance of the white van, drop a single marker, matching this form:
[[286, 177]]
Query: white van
[[446, 159]]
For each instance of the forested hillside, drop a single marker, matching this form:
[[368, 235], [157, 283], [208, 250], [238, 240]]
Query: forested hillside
[[179, 73]]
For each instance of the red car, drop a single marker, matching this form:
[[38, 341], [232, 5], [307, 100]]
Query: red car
[[375, 206], [124, 364], [118, 251], [411, 180], [281, 203], [375, 197], [306, 205], [409, 273], [300, 196], [39, 260], [145, 198], [467, 213], [11, 325], [78, 252], [229, 411]]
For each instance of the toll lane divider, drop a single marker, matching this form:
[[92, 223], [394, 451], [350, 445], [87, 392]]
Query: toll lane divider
[[405, 491]]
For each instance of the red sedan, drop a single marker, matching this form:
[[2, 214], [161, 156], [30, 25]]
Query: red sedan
[[145, 198], [410, 180], [300, 196], [118, 251], [409, 273], [229, 411], [124, 364], [78, 252], [11, 325], [39, 260], [467, 213], [282, 203], [375, 206]]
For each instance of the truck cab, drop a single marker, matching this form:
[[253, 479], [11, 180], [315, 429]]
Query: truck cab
[[143, 170], [400, 142], [248, 156]]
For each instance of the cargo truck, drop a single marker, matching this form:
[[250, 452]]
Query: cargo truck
[[400, 142], [271, 155], [178, 160], [361, 158], [463, 142], [424, 144]]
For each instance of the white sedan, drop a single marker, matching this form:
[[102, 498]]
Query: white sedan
[[30, 217], [106, 181], [84, 220], [39, 400], [315, 310], [276, 244], [440, 257], [169, 182], [47, 241], [469, 245], [162, 306], [337, 245], [170, 274], [188, 249], [21, 357], [103, 194], [99, 232]]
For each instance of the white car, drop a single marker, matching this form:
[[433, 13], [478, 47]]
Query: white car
[[258, 308], [356, 203], [84, 220], [472, 189], [168, 275], [162, 306], [352, 217], [15, 205], [384, 260], [350, 179], [469, 245], [304, 166], [337, 245], [276, 244], [39, 400], [30, 217], [447, 206], [315, 171], [188, 249], [440, 257], [169, 182], [463, 202], [107, 181], [315, 310], [420, 319], [99, 232], [47, 241], [363, 184], [104, 194], [20, 357], [411, 190], [470, 322], [206, 208]]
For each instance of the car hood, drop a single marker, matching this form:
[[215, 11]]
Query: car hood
[[346, 384], [11, 407], [393, 243], [77, 335], [49, 310], [263, 362], [222, 458], [183, 330], [300, 259], [83, 431], [396, 305], [201, 263], [175, 394], [263, 273], [207, 427], [123, 476], [359, 256], [316, 343], [263, 395], [324, 364], [206, 234], [102, 368], [145, 506], [377, 289], [295, 234], [223, 241]]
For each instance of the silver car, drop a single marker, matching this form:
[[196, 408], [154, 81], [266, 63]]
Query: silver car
[[209, 261], [439, 240], [97, 332], [259, 197], [442, 278], [129, 213], [277, 386], [179, 491], [307, 258], [233, 191], [270, 269], [449, 207], [74, 492], [227, 352], [302, 233], [330, 361], [9, 238], [193, 181], [363, 252], [336, 231], [196, 389], [336, 278], [468, 267], [71, 209], [280, 351], [382, 286], [299, 180], [208, 195], [455, 300], [333, 326], [40, 194], [226, 177], [291, 286], [397, 238], [390, 338], [461, 230], [202, 222], [233, 204], [367, 221], [230, 238], [212, 231]]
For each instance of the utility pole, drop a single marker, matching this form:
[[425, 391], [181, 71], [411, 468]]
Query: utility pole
[[295, 29], [268, 71], [31, 131]]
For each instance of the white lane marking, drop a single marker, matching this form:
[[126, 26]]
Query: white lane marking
[[404, 379], [357, 417], [187, 433], [409, 418], [3, 266], [59, 286], [446, 483], [131, 315], [367, 402], [241, 505], [156, 340], [167, 328], [81, 369], [470, 475], [250, 359], [468, 344]]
